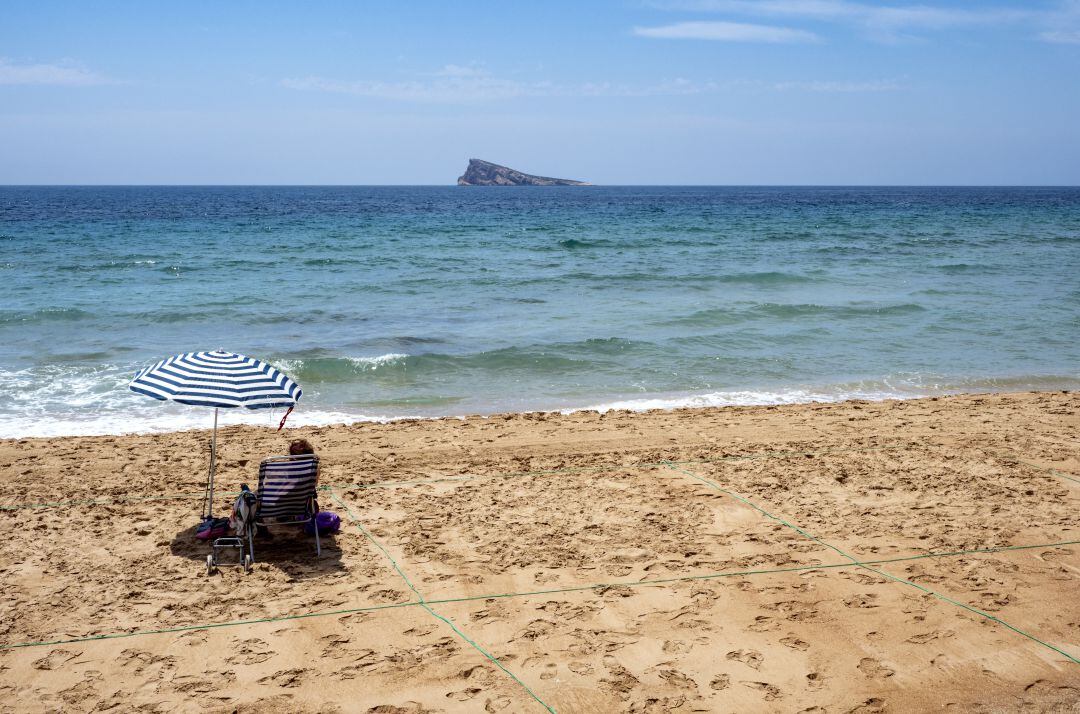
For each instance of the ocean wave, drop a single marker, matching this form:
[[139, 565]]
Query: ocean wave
[[958, 268], [149, 422], [335, 369], [771, 277], [735, 314], [366, 363], [540, 359], [573, 243], [786, 310], [44, 315], [903, 386], [88, 400], [729, 399]]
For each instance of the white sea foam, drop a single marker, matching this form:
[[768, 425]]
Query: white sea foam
[[741, 398], [376, 362], [85, 400], [169, 420]]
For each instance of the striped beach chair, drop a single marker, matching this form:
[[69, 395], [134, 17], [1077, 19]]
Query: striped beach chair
[[286, 494]]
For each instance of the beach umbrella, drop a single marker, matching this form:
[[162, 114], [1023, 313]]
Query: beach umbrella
[[219, 379]]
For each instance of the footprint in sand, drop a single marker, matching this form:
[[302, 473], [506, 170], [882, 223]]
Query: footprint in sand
[[1047, 693], [942, 661], [874, 669], [285, 678], [922, 639], [496, 705], [763, 623], [409, 708], [619, 681], [720, 681], [581, 668], [145, 660], [677, 679], [421, 631], [362, 661], [252, 651], [770, 692], [194, 638], [866, 600], [54, 660], [84, 690], [870, 706], [479, 675], [794, 643], [207, 682], [464, 695], [751, 658]]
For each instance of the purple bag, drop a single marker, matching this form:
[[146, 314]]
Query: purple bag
[[212, 528], [326, 521]]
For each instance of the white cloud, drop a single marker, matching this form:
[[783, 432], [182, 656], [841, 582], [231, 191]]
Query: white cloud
[[445, 88], [457, 70], [455, 87], [1061, 37], [726, 32], [887, 17], [882, 22], [450, 88], [879, 85], [68, 75]]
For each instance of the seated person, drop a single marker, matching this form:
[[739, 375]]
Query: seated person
[[298, 447]]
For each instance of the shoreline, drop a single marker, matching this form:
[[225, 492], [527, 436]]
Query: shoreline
[[622, 406]]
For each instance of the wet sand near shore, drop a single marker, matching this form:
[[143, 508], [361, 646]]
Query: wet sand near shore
[[856, 557]]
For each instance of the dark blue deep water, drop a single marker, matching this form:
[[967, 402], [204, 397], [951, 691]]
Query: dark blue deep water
[[423, 301]]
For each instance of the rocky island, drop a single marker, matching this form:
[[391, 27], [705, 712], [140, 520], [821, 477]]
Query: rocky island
[[485, 173]]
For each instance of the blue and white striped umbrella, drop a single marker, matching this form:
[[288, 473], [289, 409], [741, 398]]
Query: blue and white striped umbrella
[[217, 379]]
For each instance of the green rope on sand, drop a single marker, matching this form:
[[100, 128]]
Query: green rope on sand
[[882, 573], [424, 604], [741, 573], [531, 593], [210, 626], [1047, 469]]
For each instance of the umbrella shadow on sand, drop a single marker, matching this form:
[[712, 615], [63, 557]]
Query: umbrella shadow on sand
[[289, 550]]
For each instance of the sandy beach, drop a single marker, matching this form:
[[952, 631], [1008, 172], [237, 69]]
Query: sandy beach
[[918, 555]]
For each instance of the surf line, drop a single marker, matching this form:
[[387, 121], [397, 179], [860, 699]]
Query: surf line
[[424, 604], [866, 566]]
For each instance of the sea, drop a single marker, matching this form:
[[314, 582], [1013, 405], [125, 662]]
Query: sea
[[388, 302]]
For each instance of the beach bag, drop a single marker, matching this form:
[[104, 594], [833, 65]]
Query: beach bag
[[326, 522], [212, 528], [243, 511]]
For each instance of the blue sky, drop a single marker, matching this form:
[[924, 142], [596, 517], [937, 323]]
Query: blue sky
[[622, 92]]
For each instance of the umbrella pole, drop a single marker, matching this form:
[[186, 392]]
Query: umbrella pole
[[213, 465]]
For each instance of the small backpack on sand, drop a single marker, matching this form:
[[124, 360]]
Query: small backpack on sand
[[243, 511]]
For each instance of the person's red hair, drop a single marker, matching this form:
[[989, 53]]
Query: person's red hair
[[300, 446]]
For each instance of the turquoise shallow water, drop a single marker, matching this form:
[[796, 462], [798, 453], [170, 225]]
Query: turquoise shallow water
[[426, 301]]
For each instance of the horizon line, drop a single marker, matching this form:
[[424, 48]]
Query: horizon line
[[588, 186]]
